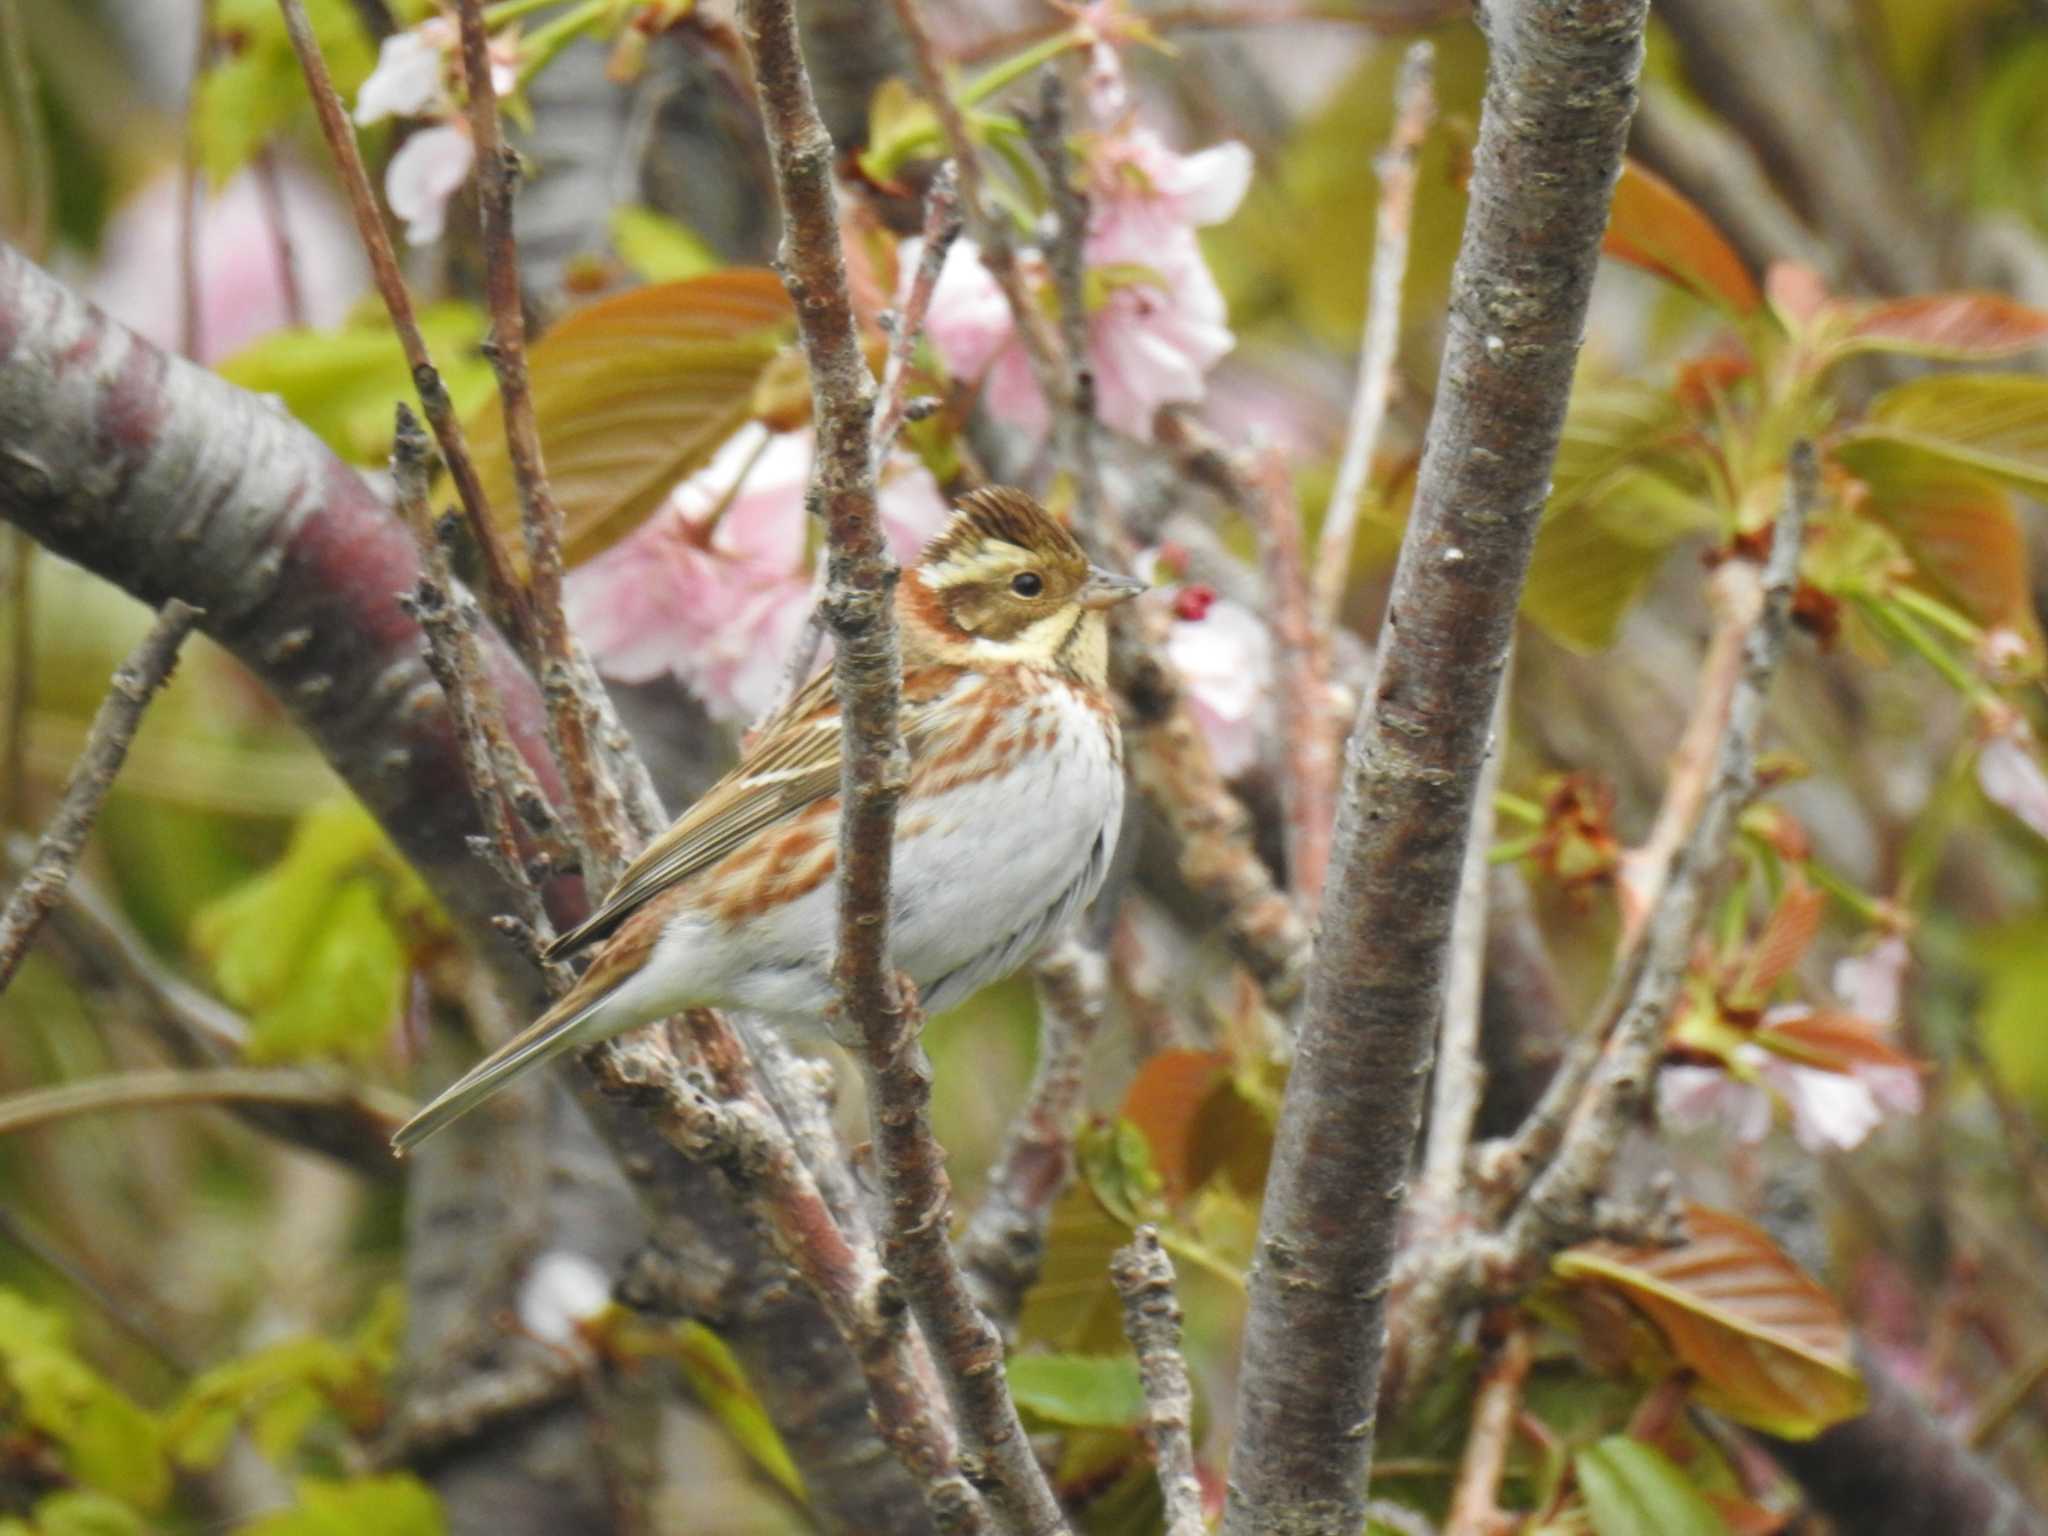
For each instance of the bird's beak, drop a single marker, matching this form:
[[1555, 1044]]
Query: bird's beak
[[1105, 589]]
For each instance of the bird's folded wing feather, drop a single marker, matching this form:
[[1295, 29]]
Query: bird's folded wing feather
[[795, 763]]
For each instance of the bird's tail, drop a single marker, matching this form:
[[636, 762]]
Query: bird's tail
[[562, 1028]]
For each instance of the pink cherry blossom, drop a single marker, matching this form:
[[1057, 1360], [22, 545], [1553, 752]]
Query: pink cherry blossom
[[1225, 661], [1692, 1097], [241, 282], [412, 79], [715, 588], [1159, 326]]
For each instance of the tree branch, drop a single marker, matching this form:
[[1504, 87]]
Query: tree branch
[[170, 482], [1414, 110], [1143, 1275], [1004, 1244], [867, 674], [501, 587], [106, 746], [1560, 89]]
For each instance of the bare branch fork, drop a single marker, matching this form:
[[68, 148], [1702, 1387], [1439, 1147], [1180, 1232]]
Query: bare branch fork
[[1561, 86], [135, 683], [867, 670], [1538, 1192]]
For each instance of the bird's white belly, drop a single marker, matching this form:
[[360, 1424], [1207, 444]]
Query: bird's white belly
[[983, 873]]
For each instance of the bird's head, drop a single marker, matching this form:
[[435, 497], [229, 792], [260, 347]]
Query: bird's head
[[1004, 583]]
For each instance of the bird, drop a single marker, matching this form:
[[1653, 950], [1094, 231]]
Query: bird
[[1006, 829]]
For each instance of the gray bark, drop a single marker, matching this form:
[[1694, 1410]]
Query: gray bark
[[1560, 91]]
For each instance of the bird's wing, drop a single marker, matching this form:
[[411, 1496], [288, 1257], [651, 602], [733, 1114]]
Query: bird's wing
[[794, 763]]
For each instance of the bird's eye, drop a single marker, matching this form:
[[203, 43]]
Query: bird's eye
[[1027, 584]]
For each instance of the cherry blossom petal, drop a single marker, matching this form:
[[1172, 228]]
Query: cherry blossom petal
[[969, 321], [2011, 776], [1691, 1098], [1869, 984], [1225, 660], [560, 1292], [424, 174], [1829, 1109], [407, 81]]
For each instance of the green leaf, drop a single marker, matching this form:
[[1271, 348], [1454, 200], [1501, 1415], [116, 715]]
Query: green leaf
[[398, 1505], [281, 1391], [1626, 488], [317, 948], [635, 392], [658, 248], [1079, 1391], [720, 1385], [1632, 1489], [1996, 423], [110, 1443], [254, 89], [343, 382], [78, 1513]]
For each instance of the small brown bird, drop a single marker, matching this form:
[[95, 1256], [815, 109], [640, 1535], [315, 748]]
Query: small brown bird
[[1007, 828]]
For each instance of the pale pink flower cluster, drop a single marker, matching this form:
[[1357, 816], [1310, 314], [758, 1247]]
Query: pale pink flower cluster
[[715, 588], [412, 79], [1828, 1109], [1223, 653], [238, 264], [1158, 322]]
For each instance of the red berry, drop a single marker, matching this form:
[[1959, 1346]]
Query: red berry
[[1193, 601]]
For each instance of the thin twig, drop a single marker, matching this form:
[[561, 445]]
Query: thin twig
[[942, 222], [21, 664], [1460, 1077], [502, 589], [1475, 1508], [991, 231], [1004, 1244], [1561, 1197], [573, 724], [449, 620], [277, 217], [191, 193], [1414, 108], [867, 670], [1143, 1275], [1309, 780], [16, 1228], [31, 143], [135, 683], [1172, 768], [1074, 423], [289, 1087], [726, 1120]]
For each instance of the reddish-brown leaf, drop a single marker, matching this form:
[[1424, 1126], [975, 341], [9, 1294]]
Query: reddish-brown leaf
[[1165, 1102], [1768, 1344], [1834, 1041], [1655, 227], [1963, 326], [1787, 935], [1961, 528]]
